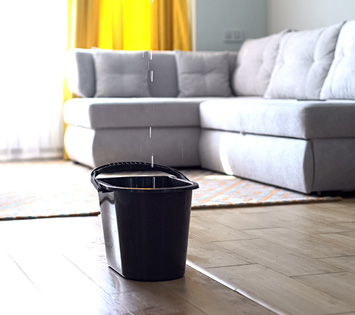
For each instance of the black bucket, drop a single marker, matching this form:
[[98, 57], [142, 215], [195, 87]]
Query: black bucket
[[145, 220]]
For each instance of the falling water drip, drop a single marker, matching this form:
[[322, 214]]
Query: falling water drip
[[153, 182], [152, 161], [150, 132]]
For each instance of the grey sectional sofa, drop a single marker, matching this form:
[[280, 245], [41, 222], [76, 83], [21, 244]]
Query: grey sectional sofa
[[280, 111]]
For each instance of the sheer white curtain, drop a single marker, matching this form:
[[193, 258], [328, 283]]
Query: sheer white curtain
[[33, 43]]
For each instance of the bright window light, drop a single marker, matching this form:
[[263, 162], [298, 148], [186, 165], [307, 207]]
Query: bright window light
[[33, 44]]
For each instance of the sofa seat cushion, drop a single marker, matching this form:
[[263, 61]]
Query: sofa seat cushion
[[97, 113], [281, 117]]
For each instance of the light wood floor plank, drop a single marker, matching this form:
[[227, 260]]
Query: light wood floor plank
[[332, 212], [282, 293], [149, 300], [94, 265], [278, 258], [239, 221], [302, 243], [285, 218], [211, 298], [346, 262], [343, 240], [18, 295], [206, 254], [207, 229], [58, 280], [346, 226], [339, 285]]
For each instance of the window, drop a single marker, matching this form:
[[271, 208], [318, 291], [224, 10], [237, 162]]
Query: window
[[33, 45]]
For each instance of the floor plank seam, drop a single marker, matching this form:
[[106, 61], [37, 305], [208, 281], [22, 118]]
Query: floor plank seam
[[318, 274], [233, 288], [24, 273]]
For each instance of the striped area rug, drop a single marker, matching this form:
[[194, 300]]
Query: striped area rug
[[30, 190], [218, 190]]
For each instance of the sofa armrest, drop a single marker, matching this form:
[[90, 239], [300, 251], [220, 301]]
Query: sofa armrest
[[80, 72]]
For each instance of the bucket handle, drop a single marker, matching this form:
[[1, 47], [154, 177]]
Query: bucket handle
[[131, 166]]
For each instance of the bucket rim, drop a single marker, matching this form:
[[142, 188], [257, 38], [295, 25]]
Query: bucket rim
[[139, 166], [108, 187]]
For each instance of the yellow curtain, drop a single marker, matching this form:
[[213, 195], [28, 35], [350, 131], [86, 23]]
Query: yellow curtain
[[143, 24], [110, 35], [170, 27], [127, 25], [82, 28]]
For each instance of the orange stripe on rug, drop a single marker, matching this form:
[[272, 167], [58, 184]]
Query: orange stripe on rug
[[223, 191], [267, 197]]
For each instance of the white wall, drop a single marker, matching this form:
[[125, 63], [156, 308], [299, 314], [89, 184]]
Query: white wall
[[214, 17], [257, 18], [308, 14]]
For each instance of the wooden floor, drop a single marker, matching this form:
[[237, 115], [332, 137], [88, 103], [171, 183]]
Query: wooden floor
[[295, 259]]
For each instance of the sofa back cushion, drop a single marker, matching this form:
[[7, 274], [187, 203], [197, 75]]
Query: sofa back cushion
[[255, 62], [121, 73], [303, 62], [80, 72], [340, 82], [203, 74], [162, 76]]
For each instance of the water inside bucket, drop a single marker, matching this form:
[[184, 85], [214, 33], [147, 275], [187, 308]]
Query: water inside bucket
[[144, 182]]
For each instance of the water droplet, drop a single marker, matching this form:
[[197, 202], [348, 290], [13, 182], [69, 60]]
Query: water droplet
[[151, 76], [150, 132], [152, 160]]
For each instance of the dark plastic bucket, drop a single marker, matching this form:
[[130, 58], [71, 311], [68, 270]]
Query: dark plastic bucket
[[145, 220]]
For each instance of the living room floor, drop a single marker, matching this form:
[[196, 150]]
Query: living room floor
[[292, 259]]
